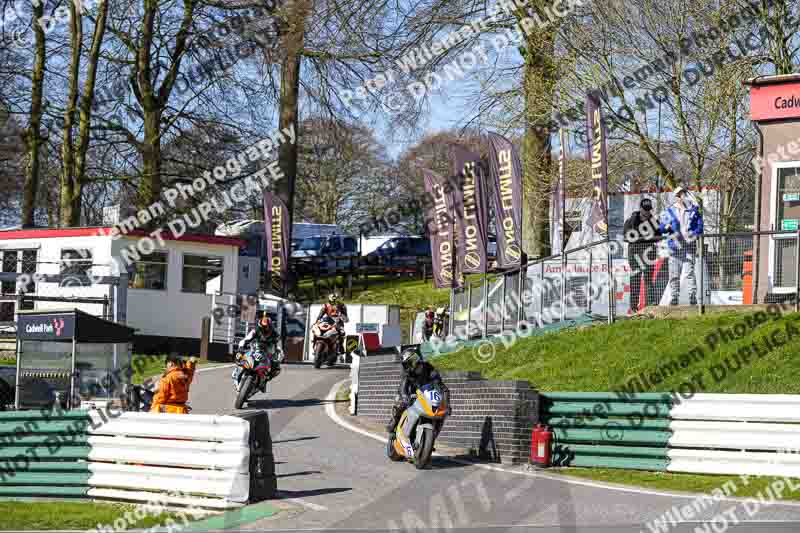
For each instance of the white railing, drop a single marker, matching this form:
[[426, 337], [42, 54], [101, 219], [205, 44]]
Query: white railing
[[751, 434], [203, 457]]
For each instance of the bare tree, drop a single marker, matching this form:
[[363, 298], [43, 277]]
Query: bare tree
[[74, 148]]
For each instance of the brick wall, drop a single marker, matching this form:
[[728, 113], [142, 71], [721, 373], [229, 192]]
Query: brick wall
[[491, 418]]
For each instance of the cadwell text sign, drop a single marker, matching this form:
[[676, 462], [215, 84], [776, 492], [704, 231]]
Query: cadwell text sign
[[46, 327], [775, 101]]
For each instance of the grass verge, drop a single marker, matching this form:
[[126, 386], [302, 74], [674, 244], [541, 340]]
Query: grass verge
[[604, 358], [63, 515], [733, 486]]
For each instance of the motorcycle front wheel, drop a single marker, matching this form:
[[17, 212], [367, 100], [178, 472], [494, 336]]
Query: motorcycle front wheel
[[244, 391], [391, 453], [422, 457], [319, 349]]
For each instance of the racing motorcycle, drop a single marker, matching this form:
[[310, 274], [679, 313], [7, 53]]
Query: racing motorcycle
[[256, 371], [439, 319], [325, 337], [418, 427]]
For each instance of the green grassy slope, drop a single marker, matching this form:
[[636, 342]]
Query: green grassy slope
[[604, 358]]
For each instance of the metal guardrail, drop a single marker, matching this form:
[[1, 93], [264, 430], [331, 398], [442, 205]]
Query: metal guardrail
[[706, 433]]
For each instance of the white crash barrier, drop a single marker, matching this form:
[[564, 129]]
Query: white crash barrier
[[175, 453], [226, 484], [191, 427], [732, 462], [753, 434], [734, 435], [739, 407], [199, 457]]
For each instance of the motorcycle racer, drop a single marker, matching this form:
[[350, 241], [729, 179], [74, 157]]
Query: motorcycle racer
[[336, 310], [268, 342], [416, 373]]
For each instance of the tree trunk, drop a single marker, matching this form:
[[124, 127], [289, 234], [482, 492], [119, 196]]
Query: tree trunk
[[74, 150], [150, 186], [33, 135], [287, 152], [294, 21], [154, 100], [539, 83], [70, 213]]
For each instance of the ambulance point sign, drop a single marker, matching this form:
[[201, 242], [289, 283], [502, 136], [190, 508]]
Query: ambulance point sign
[[775, 101]]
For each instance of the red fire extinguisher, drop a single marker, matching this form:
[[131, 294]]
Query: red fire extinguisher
[[541, 439]]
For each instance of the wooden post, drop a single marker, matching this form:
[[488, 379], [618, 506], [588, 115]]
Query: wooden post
[[205, 337]]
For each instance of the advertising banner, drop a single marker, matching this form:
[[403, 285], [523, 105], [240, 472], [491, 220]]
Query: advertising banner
[[472, 210], [598, 159], [440, 221], [506, 175], [276, 222]]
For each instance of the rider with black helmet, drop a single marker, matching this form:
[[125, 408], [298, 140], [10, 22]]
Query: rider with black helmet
[[417, 372]]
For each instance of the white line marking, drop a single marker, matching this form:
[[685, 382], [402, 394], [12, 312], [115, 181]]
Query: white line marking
[[217, 367], [333, 415]]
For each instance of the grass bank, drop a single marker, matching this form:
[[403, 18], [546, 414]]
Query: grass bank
[[67, 515], [734, 486], [604, 358]]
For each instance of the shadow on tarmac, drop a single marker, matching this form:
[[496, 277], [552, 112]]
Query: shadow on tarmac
[[288, 494], [287, 403], [303, 473], [297, 439]]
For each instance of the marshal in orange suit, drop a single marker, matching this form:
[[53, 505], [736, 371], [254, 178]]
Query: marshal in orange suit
[[173, 389]]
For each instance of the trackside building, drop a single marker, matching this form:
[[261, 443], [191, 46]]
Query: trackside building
[[169, 291]]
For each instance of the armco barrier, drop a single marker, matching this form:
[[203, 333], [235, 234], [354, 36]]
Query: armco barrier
[[707, 433], [214, 461], [491, 418]]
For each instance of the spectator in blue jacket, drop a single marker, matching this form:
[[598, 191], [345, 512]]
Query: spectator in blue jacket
[[683, 222]]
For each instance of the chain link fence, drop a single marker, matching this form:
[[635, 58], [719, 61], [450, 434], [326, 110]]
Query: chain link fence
[[610, 280]]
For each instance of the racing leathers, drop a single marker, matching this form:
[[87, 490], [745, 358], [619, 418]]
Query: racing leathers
[[422, 374], [338, 313], [266, 343]]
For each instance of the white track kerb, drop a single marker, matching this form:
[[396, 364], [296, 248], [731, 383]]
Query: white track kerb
[[330, 409]]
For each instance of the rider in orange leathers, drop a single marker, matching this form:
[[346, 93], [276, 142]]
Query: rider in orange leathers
[[173, 389]]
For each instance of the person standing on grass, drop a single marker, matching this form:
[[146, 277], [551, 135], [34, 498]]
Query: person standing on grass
[[642, 234], [173, 388], [683, 222]]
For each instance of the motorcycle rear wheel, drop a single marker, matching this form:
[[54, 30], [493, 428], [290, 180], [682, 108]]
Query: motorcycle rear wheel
[[422, 457], [244, 392]]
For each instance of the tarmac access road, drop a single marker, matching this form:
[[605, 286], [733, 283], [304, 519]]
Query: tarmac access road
[[333, 478]]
